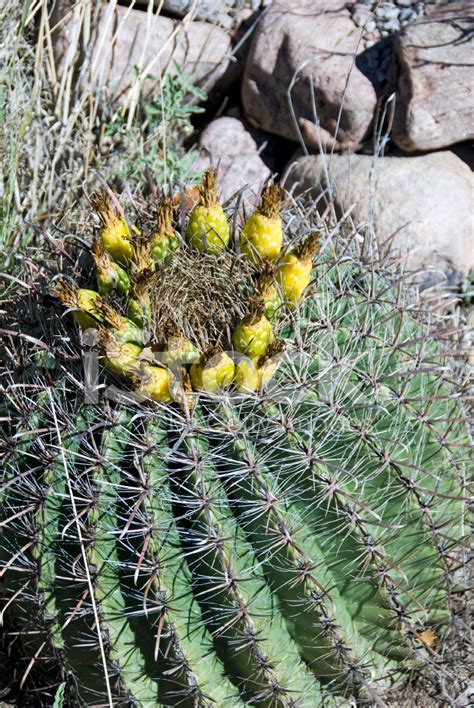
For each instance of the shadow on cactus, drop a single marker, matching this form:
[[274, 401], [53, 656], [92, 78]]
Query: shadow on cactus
[[233, 463]]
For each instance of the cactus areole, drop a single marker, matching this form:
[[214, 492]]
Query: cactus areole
[[232, 467]]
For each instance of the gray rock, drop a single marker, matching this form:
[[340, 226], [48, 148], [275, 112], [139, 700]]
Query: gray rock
[[392, 25], [310, 45], [404, 3], [133, 39], [203, 9], [230, 146], [387, 12], [407, 15], [424, 203], [435, 106]]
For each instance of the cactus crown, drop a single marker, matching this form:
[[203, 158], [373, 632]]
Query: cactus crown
[[199, 295]]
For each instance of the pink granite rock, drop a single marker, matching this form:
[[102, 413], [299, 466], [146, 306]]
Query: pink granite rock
[[314, 43]]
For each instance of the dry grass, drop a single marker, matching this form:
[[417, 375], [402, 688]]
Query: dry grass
[[61, 137]]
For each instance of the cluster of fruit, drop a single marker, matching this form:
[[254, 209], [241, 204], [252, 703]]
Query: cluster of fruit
[[127, 263]]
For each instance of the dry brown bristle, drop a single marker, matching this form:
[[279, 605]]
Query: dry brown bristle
[[275, 349], [101, 257], [183, 393], [209, 194], [142, 253], [110, 315], [255, 311], [270, 205], [201, 297], [66, 293], [266, 278], [141, 284], [306, 250], [164, 218], [104, 208]]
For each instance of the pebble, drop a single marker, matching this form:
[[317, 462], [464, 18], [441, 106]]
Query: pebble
[[387, 12], [390, 16], [407, 15], [393, 25]]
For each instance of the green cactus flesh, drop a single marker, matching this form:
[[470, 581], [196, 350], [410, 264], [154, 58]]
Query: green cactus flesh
[[292, 547]]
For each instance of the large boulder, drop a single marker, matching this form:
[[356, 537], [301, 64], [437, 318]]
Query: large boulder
[[311, 47], [418, 207], [125, 41], [228, 144], [435, 102]]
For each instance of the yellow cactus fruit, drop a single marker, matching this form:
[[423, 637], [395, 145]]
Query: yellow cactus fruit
[[122, 329], [179, 351], [247, 376], [85, 303], [294, 270], [214, 373], [208, 228], [254, 333], [110, 275], [262, 235], [121, 358], [268, 292], [164, 240], [251, 376], [115, 234], [154, 382]]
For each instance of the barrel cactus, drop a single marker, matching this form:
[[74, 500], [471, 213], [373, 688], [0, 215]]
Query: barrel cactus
[[206, 501]]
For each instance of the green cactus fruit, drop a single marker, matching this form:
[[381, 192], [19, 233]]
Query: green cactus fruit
[[139, 309], [268, 291], [121, 328], [110, 275], [122, 358], [164, 240], [208, 229], [291, 536], [154, 382], [180, 351]]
